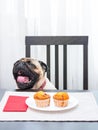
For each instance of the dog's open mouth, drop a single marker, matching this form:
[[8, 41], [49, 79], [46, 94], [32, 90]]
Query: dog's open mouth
[[25, 78], [26, 81]]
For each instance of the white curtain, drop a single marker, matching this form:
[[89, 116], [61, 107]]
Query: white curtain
[[12, 32], [47, 18]]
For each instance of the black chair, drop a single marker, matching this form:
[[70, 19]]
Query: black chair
[[64, 41]]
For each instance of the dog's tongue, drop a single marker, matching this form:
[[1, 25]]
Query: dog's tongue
[[22, 79]]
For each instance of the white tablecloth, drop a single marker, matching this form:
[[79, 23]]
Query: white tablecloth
[[86, 110]]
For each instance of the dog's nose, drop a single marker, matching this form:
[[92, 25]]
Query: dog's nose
[[20, 72]]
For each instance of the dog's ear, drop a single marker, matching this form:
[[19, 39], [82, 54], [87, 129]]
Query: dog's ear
[[44, 66]]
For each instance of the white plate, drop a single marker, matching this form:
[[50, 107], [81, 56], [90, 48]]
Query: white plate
[[73, 102]]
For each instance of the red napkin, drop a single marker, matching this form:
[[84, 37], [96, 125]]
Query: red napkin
[[15, 104]]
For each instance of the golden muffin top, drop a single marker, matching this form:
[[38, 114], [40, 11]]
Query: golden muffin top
[[61, 96], [41, 95]]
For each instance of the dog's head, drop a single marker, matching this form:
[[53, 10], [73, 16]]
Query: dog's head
[[27, 72]]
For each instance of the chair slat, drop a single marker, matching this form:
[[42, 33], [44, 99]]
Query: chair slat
[[28, 50], [65, 67], [57, 66], [85, 67], [48, 61]]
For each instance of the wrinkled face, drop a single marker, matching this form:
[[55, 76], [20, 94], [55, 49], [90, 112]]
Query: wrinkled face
[[27, 72]]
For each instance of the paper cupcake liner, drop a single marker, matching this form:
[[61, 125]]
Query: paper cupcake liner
[[60, 103], [42, 103]]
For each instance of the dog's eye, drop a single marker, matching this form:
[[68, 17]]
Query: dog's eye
[[29, 62], [32, 65]]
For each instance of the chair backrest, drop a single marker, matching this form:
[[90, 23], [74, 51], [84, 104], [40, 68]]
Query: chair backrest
[[64, 41]]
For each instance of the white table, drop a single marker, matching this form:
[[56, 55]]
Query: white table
[[39, 125]]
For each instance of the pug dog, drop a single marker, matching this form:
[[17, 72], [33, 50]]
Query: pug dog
[[29, 73]]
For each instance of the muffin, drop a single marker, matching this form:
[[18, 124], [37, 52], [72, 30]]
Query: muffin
[[61, 99], [42, 99]]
